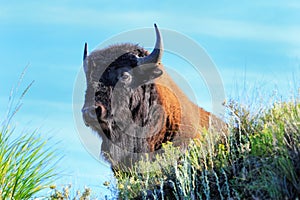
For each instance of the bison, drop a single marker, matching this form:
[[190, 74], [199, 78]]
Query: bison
[[134, 105]]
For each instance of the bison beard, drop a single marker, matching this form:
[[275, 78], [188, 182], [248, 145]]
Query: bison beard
[[134, 105]]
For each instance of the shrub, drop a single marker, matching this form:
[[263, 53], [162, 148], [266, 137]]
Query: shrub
[[66, 194], [258, 159]]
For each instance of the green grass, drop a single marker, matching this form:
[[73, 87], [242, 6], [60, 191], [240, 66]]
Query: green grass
[[28, 160], [258, 159], [26, 166], [27, 163]]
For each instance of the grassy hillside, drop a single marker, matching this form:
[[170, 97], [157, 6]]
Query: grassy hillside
[[258, 159]]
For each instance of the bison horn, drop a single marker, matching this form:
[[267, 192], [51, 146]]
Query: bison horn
[[157, 52], [85, 54], [85, 51]]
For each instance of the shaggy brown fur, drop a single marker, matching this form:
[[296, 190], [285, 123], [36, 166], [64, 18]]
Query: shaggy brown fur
[[136, 110]]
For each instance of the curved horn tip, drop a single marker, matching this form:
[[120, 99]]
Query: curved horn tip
[[159, 43], [85, 51], [156, 28], [157, 52]]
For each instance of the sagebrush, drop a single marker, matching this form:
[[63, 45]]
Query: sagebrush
[[258, 159]]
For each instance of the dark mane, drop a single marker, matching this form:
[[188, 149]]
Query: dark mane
[[135, 106]]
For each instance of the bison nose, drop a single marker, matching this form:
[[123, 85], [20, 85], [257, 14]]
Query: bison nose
[[89, 115], [101, 111]]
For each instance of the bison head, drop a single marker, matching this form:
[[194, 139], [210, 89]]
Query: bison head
[[122, 102]]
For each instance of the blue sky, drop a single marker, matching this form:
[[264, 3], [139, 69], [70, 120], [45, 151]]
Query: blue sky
[[255, 42]]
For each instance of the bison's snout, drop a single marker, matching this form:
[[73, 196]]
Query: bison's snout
[[89, 115], [94, 113]]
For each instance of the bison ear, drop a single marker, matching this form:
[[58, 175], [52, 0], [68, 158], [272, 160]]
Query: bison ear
[[85, 55]]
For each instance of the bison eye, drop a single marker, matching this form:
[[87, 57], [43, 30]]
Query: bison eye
[[126, 77]]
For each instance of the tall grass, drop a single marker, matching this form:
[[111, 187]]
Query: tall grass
[[259, 158], [26, 166], [26, 163]]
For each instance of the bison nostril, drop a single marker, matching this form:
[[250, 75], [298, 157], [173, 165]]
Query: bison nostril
[[101, 111]]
